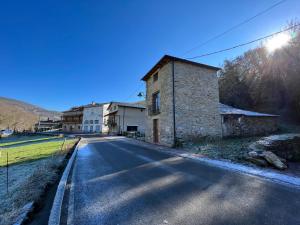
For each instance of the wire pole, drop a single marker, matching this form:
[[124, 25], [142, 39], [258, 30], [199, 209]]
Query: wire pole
[[7, 172], [62, 145]]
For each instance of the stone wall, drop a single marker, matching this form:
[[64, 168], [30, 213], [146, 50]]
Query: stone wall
[[165, 117], [238, 125], [197, 102]]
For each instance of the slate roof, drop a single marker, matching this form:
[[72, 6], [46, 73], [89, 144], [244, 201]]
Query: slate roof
[[229, 110]]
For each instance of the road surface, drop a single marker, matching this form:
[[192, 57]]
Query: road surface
[[117, 182]]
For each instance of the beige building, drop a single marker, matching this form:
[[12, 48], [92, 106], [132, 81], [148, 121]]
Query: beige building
[[125, 117], [72, 120], [182, 98]]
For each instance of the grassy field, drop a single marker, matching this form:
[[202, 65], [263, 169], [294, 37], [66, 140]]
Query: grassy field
[[14, 140], [33, 151], [32, 167]]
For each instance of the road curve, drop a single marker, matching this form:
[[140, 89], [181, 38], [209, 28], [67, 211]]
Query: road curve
[[115, 182]]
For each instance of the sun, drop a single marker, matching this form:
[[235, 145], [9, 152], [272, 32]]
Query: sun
[[277, 41]]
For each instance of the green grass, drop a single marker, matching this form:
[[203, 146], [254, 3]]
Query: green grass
[[33, 151], [5, 142]]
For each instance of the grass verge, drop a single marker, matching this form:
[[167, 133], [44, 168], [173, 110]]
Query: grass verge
[[30, 175]]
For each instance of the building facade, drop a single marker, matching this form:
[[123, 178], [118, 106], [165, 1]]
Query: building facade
[[182, 98], [72, 120], [92, 121], [47, 125], [125, 117], [243, 123]]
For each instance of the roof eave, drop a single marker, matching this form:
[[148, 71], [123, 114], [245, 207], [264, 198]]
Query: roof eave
[[167, 58]]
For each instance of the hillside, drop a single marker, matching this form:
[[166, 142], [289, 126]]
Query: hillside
[[21, 115]]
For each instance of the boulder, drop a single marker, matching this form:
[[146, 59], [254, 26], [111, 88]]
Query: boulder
[[286, 146], [256, 154], [274, 160], [257, 161]]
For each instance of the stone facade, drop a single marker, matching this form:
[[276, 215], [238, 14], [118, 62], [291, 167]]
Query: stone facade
[[196, 99], [242, 125]]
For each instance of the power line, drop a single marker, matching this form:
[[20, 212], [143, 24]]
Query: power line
[[243, 44], [134, 93], [235, 26]]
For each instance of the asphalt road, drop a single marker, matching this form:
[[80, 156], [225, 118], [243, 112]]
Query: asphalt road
[[116, 182]]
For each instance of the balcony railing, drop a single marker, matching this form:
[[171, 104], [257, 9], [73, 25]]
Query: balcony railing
[[153, 110]]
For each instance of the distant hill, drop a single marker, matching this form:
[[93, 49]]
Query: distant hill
[[20, 115]]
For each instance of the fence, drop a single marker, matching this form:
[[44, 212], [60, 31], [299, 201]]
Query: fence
[[27, 167], [28, 157]]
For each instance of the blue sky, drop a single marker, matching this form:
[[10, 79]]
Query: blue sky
[[58, 54]]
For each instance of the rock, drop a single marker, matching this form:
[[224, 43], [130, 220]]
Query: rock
[[274, 160], [258, 162], [256, 154], [286, 146]]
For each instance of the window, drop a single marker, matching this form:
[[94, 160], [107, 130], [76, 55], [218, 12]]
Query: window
[[91, 128], [96, 121], [97, 128], [86, 122], [86, 128], [155, 77], [132, 128], [78, 127], [91, 121], [155, 102]]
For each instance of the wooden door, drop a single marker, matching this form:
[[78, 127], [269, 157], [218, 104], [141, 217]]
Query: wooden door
[[155, 131]]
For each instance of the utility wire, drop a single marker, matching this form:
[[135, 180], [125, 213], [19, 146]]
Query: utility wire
[[243, 44], [234, 27], [134, 93]]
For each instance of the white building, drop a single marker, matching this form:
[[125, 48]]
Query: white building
[[125, 117], [93, 118]]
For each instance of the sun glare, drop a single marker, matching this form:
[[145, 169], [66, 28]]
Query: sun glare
[[277, 41]]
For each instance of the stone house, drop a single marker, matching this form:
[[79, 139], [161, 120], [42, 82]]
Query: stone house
[[125, 117], [182, 98], [238, 122], [93, 118]]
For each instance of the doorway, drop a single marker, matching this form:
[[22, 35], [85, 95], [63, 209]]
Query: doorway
[[155, 131]]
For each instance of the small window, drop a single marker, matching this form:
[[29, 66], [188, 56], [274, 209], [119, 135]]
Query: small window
[[155, 103], [155, 77], [91, 121], [91, 128], [132, 128], [97, 128], [86, 122], [96, 121]]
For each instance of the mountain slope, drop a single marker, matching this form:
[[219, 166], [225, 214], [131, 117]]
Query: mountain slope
[[21, 115]]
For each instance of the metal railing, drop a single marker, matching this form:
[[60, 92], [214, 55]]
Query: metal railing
[[153, 110]]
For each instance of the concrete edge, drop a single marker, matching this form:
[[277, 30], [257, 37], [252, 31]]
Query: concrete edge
[[70, 216], [55, 214], [266, 174], [28, 208]]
